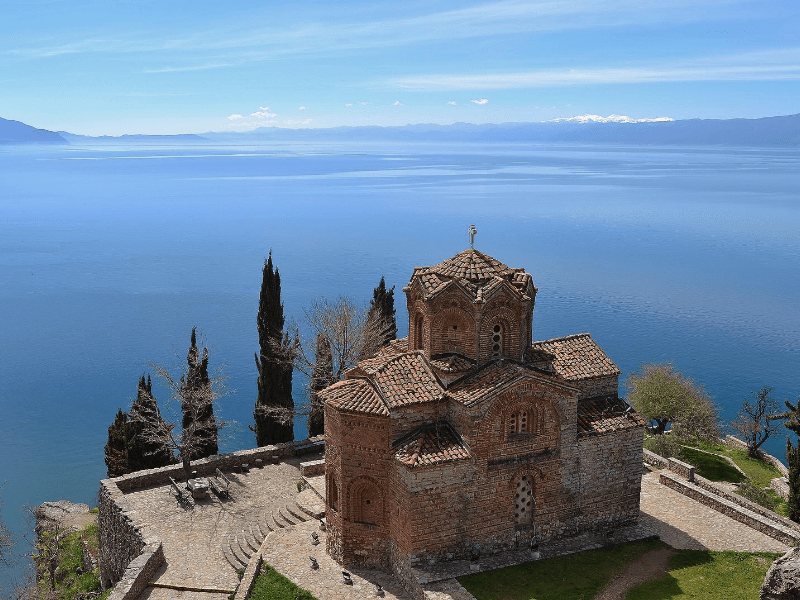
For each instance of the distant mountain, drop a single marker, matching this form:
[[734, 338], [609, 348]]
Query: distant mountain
[[769, 131], [14, 132], [182, 138]]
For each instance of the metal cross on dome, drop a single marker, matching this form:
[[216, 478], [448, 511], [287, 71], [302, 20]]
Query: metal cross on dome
[[472, 231]]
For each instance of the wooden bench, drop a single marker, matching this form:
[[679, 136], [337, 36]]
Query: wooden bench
[[180, 495], [220, 484]]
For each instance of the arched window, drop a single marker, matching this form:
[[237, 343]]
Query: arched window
[[523, 501], [518, 422], [418, 329], [512, 423], [333, 495], [367, 502], [497, 341]]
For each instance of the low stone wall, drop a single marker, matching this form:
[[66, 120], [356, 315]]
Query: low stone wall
[[768, 526], [122, 544], [683, 469], [139, 572], [651, 458], [250, 574], [781, 486]]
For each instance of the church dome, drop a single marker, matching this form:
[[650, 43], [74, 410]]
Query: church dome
[[472, 266]]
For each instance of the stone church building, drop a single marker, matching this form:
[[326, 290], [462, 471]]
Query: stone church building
[[468, 435]]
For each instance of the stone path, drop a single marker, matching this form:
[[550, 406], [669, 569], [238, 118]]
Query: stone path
[[195, 538], [683, 523]]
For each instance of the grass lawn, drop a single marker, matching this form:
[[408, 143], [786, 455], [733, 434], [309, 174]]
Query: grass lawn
[[271, 585], [705, 575], [695, 574], [712, 467], [574, 577]]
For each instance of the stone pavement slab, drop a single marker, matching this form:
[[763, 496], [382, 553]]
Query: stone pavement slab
[[684, 523]]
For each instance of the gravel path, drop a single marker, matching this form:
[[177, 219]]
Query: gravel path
[[653, 564]]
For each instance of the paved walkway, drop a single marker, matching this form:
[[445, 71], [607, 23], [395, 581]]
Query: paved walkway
[[193, 538], [683, 523]]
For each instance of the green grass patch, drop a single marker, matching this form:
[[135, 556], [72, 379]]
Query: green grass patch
[[705, 575], [574, 577], [711, 466], [271, 585]]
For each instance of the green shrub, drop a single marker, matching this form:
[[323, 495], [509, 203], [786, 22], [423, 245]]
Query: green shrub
[[758, 495]]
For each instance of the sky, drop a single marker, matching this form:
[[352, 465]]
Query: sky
[[100, 67]]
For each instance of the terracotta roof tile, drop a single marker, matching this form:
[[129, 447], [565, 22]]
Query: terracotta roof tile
[[355, 395], [473, 389], [476, 272], [405, 379], [432, 445], [577, 357], [599, 416], [454, 363]]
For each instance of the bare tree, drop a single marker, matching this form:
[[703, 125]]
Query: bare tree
[[341, 336], [6, 540], [758, 420], [196, 392]]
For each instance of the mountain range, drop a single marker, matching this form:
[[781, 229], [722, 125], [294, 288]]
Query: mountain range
[[783, 131]]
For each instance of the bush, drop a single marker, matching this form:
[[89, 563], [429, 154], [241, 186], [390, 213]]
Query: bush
[[758, 495]]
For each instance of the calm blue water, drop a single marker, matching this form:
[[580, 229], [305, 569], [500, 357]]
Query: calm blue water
[[109, 256]]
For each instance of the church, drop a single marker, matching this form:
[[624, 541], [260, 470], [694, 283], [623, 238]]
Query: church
[[467, 436]]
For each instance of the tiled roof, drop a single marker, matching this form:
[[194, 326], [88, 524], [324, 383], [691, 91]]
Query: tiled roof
[[577, 357], [478, 273], [400, 378], [605, 415], [486, 382], [432, 445], [355, 395], [454, 363], [471, 265]]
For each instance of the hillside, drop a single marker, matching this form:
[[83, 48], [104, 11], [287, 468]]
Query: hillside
[[14, 132]]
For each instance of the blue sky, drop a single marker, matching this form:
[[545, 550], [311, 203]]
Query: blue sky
[[142, 66]]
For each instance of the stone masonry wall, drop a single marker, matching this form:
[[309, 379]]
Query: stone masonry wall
[[611, 477]]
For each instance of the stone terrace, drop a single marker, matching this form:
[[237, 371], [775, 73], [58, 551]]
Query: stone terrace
[[196, 537]]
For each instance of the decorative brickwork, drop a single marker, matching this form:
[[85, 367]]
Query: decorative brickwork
[[467, 438]]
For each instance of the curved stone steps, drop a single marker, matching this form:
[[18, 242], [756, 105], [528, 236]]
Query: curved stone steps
[[237, 552], [279, 523], [243, 546], [289, 520], [232, 559], [296, 514], [253, 537]]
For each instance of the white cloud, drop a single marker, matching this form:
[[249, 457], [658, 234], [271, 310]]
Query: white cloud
[[301, 108], [364, 103], [264, 113], [349, 104], [235, 117], [453, 103], [608, 119], [397, 103], [775, 65], [481, 101]]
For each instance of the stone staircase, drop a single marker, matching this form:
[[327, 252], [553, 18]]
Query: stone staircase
[[238, 547]]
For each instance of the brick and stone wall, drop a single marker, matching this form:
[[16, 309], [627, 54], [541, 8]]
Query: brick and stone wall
[[611, 477]]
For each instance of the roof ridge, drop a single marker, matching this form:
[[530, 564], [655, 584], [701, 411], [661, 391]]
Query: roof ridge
[[566, 337]]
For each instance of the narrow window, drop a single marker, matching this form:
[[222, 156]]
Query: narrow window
[[497, 341]]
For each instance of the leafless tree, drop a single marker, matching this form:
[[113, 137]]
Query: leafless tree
[[199, 424], [6, 540], [758, 420]]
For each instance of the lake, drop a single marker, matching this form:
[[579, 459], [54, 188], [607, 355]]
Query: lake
[[110, 255]]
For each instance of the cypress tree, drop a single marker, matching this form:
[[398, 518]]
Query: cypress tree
[[197, 404], [273, 414], [117, 447], [321, 377], [793, 460], [381, 324], [145, 452]]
